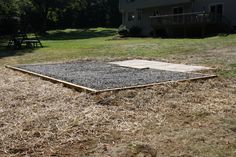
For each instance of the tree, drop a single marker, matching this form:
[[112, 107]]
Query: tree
[[100, 13], [52, 14], [9, 11], [8, 8], [49, 10]]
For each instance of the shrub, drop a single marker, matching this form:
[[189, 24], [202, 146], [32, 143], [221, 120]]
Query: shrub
[[135, 31], [159, 33], [123, 30]]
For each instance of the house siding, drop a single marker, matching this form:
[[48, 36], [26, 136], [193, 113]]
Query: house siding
[[124, 5], [145, 22], [229, 8], [163, 10], [166, 7]]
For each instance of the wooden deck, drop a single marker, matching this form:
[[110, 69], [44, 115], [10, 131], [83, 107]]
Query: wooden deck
[[188, 20]]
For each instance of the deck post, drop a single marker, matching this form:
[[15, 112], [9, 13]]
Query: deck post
[[185, 32], [204, 25]]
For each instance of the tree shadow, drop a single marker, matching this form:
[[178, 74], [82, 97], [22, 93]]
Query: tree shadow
[[77, 34], [70, 34], [5, 51]]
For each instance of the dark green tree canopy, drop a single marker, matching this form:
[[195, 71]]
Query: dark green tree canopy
[[55, 14]]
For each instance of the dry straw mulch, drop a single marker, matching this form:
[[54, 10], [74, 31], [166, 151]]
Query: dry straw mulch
[[39, 118]]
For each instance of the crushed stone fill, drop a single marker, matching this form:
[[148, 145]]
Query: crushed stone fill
[[102, 76]]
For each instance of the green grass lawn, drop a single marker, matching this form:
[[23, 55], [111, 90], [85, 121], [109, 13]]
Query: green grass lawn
[[72, 44]]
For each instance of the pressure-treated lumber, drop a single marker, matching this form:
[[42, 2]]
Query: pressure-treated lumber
[[67, 84], [160, 83]]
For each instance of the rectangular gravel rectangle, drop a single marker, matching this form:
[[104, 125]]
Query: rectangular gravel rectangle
[[104, 76]]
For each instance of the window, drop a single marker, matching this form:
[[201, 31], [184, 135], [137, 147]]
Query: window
[[124, 17], [178, 10], [213, 9], [139, 11], [216, 8], [131, 16], [178, 18], [156, 12], [129, 1]]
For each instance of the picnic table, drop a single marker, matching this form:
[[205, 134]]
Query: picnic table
[[22, 39]]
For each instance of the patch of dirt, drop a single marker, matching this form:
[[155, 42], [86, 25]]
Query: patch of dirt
[[217, 58], [39, 118]]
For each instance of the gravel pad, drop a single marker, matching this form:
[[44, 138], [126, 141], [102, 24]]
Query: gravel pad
[[102, 76]]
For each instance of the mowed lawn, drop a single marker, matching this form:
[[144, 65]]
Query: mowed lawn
[[100, 43], [187, 119]]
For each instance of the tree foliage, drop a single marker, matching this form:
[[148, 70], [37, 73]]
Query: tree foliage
[[8, 7], [52, 14]]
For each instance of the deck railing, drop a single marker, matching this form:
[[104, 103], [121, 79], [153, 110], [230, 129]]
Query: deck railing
[[196, 18]]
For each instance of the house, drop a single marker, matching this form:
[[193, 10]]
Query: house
[[179, 17]]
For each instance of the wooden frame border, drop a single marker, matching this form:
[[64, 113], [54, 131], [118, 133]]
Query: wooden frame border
[[160, 83], [65, 83], [82, 88]]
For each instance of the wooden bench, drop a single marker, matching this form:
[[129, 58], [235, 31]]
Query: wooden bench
[[22, 39], [32, 43]]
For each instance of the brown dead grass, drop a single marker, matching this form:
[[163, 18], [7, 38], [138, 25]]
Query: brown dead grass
[[215, 58], [39, 118]]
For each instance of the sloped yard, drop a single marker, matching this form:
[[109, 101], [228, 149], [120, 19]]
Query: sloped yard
[[39, 118]]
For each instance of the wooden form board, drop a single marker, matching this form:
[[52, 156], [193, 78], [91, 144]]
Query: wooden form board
[[67, 84], [82, 88]]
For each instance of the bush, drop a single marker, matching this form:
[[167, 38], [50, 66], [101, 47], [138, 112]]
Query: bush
[[135, 31], [123, 30], [159, 33]]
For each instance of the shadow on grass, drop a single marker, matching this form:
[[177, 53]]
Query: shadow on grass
[[9, 52], [6, 51], [77, 34], [69, 34]]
